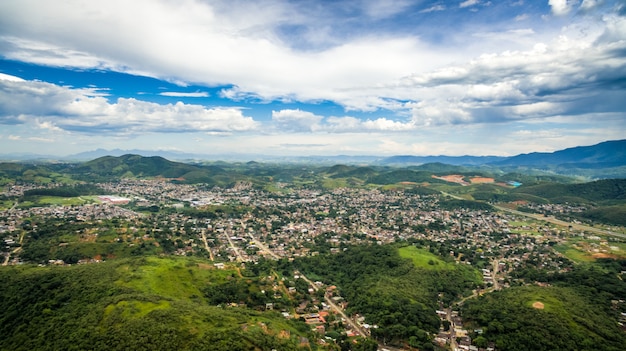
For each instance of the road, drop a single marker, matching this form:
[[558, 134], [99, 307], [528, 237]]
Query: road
[[15, 251], [235, 249], [262, 246], [495, 268], [206, 244], [453, 345], [357, 328]]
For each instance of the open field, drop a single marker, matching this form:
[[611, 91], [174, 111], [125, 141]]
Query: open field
[[424, 259], [172, 277], [573, 254]]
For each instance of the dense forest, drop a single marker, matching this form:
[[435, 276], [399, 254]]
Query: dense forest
[[573, 312]]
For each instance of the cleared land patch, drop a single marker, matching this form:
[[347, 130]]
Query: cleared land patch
[[481, 180], [424, 259]]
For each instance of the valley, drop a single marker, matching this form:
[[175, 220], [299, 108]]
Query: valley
[[383, 258]]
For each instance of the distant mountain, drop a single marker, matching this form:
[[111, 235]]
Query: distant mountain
[[603, 160], [171, 155], [152, 166], [137, 165], [450, 160], [603, 155]]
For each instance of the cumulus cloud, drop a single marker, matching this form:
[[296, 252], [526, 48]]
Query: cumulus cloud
[[220, 42], [296, 120], [570, 75], [10, 78], [304, 121], [59, 108], [495, 73], [184, 94], [561, 7]]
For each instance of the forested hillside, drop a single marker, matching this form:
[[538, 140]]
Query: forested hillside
[[573, 313], [391, 291], [137, 304]]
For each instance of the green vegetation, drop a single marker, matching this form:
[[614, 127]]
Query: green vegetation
[[423, 259], [601, 190], [391, 291], [607, 214], [65, 191], [562, 320], [577, 312], [143, 300], [138, 304], [573, 254]]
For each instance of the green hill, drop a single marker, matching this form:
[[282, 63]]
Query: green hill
[[401, 175], [597, 191], [139, 304], [394, 288], [561, 319], [137, 166]]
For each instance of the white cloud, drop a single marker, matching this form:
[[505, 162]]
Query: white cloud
[[468, 3], [434, 8], [383, 9], [41, 140], [296, 120], [521, 17], [184, 94], [10, 78], [561, 7], [212, 43], [58, 108], [304, 121], [493, 74], [590, 4]]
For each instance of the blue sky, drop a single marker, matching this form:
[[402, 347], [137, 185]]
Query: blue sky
[[311, 77]]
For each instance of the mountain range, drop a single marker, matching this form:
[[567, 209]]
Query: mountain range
[[603, 160]]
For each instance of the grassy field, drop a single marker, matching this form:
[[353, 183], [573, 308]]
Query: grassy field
[[37, 201], [573, 254], [172, 277], [424, 259]]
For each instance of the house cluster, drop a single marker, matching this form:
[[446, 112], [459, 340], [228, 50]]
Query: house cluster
[[456, 336], [298, 222]]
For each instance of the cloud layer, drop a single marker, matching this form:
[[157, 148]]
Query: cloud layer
[[58, 108], [397, 69]]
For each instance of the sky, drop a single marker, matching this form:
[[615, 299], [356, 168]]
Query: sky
[[311, 77]]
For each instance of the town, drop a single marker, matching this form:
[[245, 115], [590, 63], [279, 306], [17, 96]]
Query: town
[[243, 225]]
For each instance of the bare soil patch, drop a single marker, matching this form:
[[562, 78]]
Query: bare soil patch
[[602, 255], [453, 178], [205, 266], [538, 305], [481, 180]]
